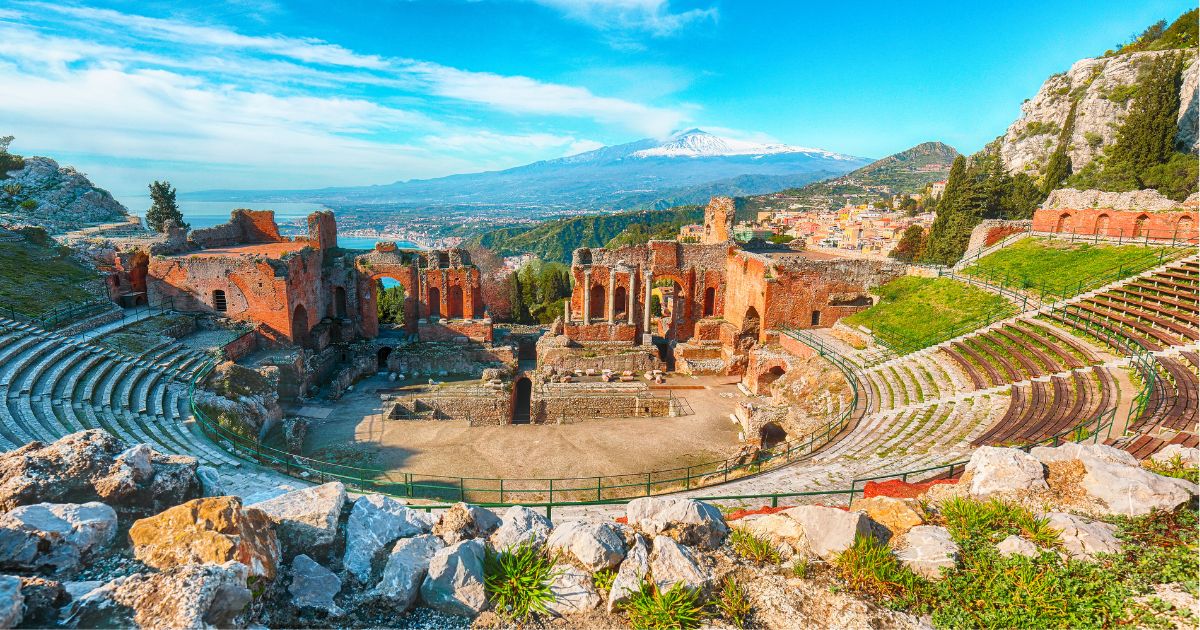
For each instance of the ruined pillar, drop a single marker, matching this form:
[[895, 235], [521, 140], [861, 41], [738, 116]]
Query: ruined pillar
[[567, 311], [648, 282], [444, 295], [611, 295], [629, 299], [587, 296]]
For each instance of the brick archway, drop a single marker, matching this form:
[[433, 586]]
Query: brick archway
[[300, 326]]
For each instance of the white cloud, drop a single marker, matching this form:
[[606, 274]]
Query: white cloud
[[652, 16]]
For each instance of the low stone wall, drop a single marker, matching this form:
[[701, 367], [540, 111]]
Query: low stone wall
[[992, 231], [241, 346], [597, 356], [561, 403], [459, 330], [479, 406]]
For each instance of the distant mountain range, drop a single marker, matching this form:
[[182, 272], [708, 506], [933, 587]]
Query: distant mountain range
[[688, 167]]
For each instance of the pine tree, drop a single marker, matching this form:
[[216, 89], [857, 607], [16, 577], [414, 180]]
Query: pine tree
[[911, 245], [163, 207], [958, 212]]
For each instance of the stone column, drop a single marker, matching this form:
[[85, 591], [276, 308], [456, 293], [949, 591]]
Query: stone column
[[587, 296], [611, 295], [648, 282], [567, 311], [444, 296], [629, 299]]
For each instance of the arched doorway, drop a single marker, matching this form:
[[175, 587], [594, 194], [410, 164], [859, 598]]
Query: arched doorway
[[750, 328], [300, 326], [1139, 226], [767, 378], [522, 395], [435, 302], [381, 357], [596, 302], [710, 302], [1064, 222], [771, 435], [620, 297], [454, 303], [1184, 227], [139, 268], [1102, 225], [339, 302]]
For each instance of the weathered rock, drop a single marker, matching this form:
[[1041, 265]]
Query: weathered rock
[[1073, 450], [573, 591], [1188, 456], [1084, 538], [314, 586], [12, 603], [306, 520], [1131, 490], [64, 198], [188, 596], [210, 482], [996, 470], [212, 530], [671, 563], [375, 523], [1015, 545], [927, 549], [43, 599], [454, 584], [897, 515], [464, 522], [773, 527], [830, 531], [630, 574], [687, 521], [406, 569], [84, 466], [54, 536], [595, 546], [520, 525]]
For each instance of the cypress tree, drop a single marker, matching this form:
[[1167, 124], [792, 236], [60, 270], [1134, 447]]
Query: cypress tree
[[958, 212], [1058, 168], [1147, 135]]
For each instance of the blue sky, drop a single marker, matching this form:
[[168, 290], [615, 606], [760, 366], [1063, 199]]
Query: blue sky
[[267, 93]]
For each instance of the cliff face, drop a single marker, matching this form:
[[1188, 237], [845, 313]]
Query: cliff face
[[1103, 89], [55, 197]]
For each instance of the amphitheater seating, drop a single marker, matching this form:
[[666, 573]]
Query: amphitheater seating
[[55, 385]]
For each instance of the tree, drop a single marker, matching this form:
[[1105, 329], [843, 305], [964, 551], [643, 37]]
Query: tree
[[958, 212], [163, 208], [520, 310], [1058, 167], [493, 281], [390, 305], [911, 245], [8, 161], [1147, 135]]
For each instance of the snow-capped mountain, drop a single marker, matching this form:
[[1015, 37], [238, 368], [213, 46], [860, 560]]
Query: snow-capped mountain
[[687, 167]]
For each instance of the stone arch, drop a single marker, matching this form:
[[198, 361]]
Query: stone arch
[[710, 302], [771, 435], [435, 302], [751, 327], [769, 376], [1064, 222], [522, 401], [454, 302], [1139, 225], [381, 357], [596, 302], [1102, 222], [300, 326], [339, 302], [1184, 226]]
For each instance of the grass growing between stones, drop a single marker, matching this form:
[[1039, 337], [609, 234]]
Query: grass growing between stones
[[1175, 467], [677, 607], [928, 308], [518, 581], [1060, 265], [753, 548], [988, 590], [734, 603]]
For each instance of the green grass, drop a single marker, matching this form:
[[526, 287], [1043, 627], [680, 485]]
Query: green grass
[[928, 309], [677, 608], [518, 581], [1060, 265], [734, 603], [37, 278], [753, 548]]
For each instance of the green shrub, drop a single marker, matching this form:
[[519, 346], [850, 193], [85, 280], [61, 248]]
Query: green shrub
[[869, 566], [733, 603], [678, 608], [753, 548], [800, 569], [972, 522], [602, 580], [517, 581]]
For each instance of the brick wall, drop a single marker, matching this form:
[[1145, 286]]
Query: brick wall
[[1129, 224]]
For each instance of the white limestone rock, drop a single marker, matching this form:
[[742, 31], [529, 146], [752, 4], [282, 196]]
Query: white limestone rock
[[686, 520], [671, 563], [520, 525], [927, 549], [1189, 456], [306, 521], [573, 591], [12, 603], [314, 586], [406, 568], [65, 197], [375, 523], [210, 482], [54, 536], [1015, 545], [1073, 450], [1131, 490], [830, 531], [454, 584], [1084, 538], [465, 522], [594, 546], [630, 574], [996, 470]]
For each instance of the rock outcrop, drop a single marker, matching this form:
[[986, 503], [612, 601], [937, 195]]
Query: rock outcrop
[[54, 536], [57, 197], [208, 531], [1148, 200], [186, 596], [375, 523], [306, 521]]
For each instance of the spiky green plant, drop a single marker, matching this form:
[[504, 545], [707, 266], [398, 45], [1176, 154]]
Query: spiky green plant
[[678, 608], [602, 580], [753, 548], [733, 603], [517, 581]]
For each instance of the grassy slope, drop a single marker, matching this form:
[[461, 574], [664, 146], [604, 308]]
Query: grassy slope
[[35, 279], [925, 307], [1033, 262]]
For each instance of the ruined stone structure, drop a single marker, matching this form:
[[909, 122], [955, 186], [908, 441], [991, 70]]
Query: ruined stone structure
[[1126, 224]]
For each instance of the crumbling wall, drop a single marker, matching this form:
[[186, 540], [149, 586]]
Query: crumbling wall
[[244, 227]]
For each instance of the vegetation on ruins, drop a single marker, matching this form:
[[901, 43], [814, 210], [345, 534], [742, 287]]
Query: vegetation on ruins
[[518, 581], [756, 549], [734, 603], [163, 207], [1056, 264], [923, 308], [678, 607], [537, 292]]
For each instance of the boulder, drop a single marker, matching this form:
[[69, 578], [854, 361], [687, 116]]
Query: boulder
[[210, 482], [671, 563], [927, 549], [995, 470], [94, 466], [630, 574], [464, 522], [1015, 545], [208, 531], [778, 528], [830, 531], [687, 521], [1189, 456], [313, 586], [454, 584], [12, 602], [573, 591], [54, 536], [1084, 538], [520, 525], [594, 546], [1131, 490], [405, 570], [896, 515], [306, 521], [43, 599], [187, 596], [375, 523], [1074, 450]]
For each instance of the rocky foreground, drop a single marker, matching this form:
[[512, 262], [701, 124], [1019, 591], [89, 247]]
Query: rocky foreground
[[95, 535]]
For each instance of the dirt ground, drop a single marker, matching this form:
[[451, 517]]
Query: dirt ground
[[595, 447]]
